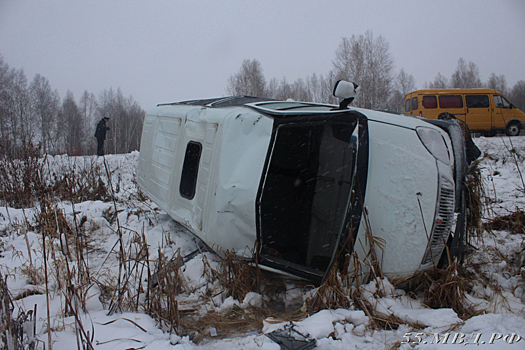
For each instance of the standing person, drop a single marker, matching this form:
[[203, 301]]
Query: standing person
[[100, 134]]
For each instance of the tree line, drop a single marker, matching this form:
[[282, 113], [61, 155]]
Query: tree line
[[34, 112], [365, 60]]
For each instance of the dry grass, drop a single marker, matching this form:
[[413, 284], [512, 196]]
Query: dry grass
[[513, 222], [66, 248], [17, 329], [26, 178], [21, 174], [235, 321], [238, 278], [476, 199], [447, 288], [164, 286]]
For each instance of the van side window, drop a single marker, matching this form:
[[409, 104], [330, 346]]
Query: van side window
[[414, 103], [407, 105], [190, 169], [501, 102], [450, 101], [477, 101], [430, 102]]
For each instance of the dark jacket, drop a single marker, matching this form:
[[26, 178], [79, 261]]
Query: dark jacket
[[100, 133]]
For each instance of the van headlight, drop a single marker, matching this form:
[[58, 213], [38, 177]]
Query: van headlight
[[434, 143]]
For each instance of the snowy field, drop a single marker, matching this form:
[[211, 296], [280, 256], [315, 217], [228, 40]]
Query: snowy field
[[495, 268]]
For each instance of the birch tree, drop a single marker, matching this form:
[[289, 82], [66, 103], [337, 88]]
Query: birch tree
[[248, 81], [498, 83], [366, 61], [403, 84], [45, 104], [466, 76], [440, 82], [71, 127], [517, 95]]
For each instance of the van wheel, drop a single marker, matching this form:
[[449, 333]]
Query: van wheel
[[513, 129]]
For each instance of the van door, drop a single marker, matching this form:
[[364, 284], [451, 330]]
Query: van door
[[452, 104], [503, 111], [305, 195], [160, 140], [193, 185], [479, 114]]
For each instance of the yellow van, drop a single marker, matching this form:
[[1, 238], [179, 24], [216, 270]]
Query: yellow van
[[484, 110]]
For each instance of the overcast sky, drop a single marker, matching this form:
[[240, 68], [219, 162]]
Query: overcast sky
[[165, 51]]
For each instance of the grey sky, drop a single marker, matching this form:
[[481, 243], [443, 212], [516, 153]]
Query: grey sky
[[164, 51]]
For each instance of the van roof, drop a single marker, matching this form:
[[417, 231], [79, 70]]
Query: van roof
[[454, 91], [262, 104], [217, 102]]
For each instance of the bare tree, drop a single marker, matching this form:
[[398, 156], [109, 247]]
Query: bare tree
[[517, 95], [466, 76], [6, 110], [498, 83], [132, 129], [403, 84], [440, 82], [45, 104], [366, 61], [87, 106], [312, 89], [248, 81], [280, 90], [327, 88], [126, 118], [22, 108], [71, 127], [16, 122], [314, 86]]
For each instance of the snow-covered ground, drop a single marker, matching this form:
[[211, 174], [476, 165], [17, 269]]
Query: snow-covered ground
[[496, 264]]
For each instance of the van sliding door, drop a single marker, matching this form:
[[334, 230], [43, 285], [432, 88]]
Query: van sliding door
[[479, 114]]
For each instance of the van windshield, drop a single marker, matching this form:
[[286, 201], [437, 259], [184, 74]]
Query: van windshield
[[306, 192]]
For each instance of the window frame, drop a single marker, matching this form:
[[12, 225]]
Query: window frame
[[434, 98], [190, 170], [407, 104], [503, 100], [446, 101], [414, 99], [472, 101]]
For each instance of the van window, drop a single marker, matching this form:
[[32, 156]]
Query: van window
[[430, 102], [407, 105], [450, 101], [190, 169], [414, 103], [477, 101], [501, 102]]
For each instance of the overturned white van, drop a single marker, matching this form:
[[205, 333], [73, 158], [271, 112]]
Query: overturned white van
[[291, 183]]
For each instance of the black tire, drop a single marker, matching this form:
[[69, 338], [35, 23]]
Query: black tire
[[513, 129]]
